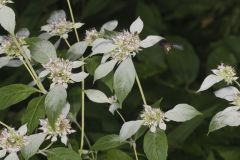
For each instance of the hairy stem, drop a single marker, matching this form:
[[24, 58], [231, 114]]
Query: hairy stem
[[83, 113], [29, 67], [120, 115], [3, 124], [73, 20], [141, 89]]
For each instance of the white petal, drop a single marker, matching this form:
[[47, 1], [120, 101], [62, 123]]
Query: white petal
[[77, 64], [44, 73], [136, 26], [162, 125], [150, 41], [3, 153], [227, 93], [23, 130], [209, 81], [64, 140], [79, 76], [105, 58], [12, 156], [4, 61]]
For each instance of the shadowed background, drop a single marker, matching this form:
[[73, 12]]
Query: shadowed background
[[207, 29]]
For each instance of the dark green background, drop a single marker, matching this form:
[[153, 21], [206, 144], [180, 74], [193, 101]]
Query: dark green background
[[207, 29]]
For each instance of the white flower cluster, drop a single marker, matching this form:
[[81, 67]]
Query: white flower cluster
[[60, 71], [227, 73], [223, 72], [92, 35], [153, 118], [10, 49], [128, 44], [62, 129], [12, 141], [4, 2], [58, 25]]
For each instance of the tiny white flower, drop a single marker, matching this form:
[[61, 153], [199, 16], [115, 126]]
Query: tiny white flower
[[60, 71], [92, 35], [12, 141], [153, 118], [62, 128], [59, 26]]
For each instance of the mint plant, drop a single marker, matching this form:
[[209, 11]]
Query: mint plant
[[48, 118]]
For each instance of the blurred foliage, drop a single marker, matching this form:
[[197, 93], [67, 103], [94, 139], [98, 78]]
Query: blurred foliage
[[208, 30]]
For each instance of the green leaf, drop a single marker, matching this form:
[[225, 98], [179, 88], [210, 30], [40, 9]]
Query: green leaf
[[229, 153], [77, 50], [227, 117], [124, 79], [181, 113], [104, 69], [42, 50], [33, 145], [97, 96], [62, 154], [55, 102], [35, 111], [129, 129], [7, 19], [155, 145], [107, 142], [116, 154], [12, 94]]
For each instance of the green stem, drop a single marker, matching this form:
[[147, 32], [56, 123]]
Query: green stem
[[29, 66], [83, 113], [141, 89], [135, 151], [73, 20], [120, 115], [3, 124], [67, 42], [237, 83]]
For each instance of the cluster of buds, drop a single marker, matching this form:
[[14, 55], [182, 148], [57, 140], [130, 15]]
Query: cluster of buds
[[58, 25], [12, 141], [4, 2], [128, 44], [153, 118], [62, 129], [92, 35], [226, 72], [60, 71]]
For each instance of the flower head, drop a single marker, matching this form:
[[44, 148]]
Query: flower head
[[58, 25], [4, 2], [153, 118], [226, 72], [11, 140], [62, 129], [128, 44], [60, 71], [92, 35]]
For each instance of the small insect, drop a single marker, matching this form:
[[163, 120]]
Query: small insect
[[168, 46]]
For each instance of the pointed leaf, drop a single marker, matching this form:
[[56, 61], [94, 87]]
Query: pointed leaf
[[129, 129], [155, 145], [7, 19], [136, 26], [110, 26], [103, 69], [54, 103], [227, 93], [77, 50], [124, 79], [97, 96], [116, 154], [35, 111], [181, 113], [150, 41], [209, 81], [62, 154], [12, 94]]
